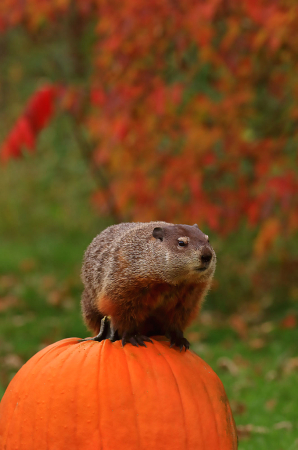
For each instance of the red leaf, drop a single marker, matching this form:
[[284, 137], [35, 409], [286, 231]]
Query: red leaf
[[26, 135], [97, 97], [159, 99], [37, 114], [289, 321], [20, 136], [41, 106]]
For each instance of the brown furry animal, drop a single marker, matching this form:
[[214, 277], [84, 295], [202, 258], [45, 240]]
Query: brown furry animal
[[148, 278]]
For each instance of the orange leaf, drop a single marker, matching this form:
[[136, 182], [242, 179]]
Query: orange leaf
[[290, 321], [267, 236]]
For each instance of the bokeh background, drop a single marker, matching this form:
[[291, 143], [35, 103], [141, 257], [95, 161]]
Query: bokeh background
[[178, 111]]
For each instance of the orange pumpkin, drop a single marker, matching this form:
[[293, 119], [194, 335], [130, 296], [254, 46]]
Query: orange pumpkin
[[100, 395]]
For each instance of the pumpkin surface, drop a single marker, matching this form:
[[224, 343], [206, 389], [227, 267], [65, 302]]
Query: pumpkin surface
[[102, 396]]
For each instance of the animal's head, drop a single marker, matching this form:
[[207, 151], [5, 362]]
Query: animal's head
[[188, 255]]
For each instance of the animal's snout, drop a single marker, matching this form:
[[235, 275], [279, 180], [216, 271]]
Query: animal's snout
[[206, 256]]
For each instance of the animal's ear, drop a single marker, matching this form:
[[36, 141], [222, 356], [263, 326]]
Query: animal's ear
[[195, 225], [158, 233]]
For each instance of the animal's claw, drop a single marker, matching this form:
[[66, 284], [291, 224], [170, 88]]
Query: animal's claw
[[135, 339]]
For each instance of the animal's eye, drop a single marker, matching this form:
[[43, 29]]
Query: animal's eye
[[183, 241]]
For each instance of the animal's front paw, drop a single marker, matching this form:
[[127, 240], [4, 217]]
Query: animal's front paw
[[134, 339]]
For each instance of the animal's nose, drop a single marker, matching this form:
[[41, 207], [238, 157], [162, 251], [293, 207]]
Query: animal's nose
[[206, 256]]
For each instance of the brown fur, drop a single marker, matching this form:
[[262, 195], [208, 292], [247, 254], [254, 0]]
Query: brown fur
[[146, 284]]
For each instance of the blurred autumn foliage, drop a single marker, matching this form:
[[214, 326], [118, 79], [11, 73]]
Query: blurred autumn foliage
[[185, 111]]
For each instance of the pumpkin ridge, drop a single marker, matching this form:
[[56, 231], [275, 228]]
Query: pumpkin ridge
[[28, 364], [194, 356], [153, 371], [99, 364], [197, 360], [68, 356], [8, 427], [11, 417], [49, 410], [69, 351], [212, 407], [53, 386], [178, 390], [129, 376], [76, 416]]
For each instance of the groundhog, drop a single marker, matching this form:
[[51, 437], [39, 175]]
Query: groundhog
[[146, 279]]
